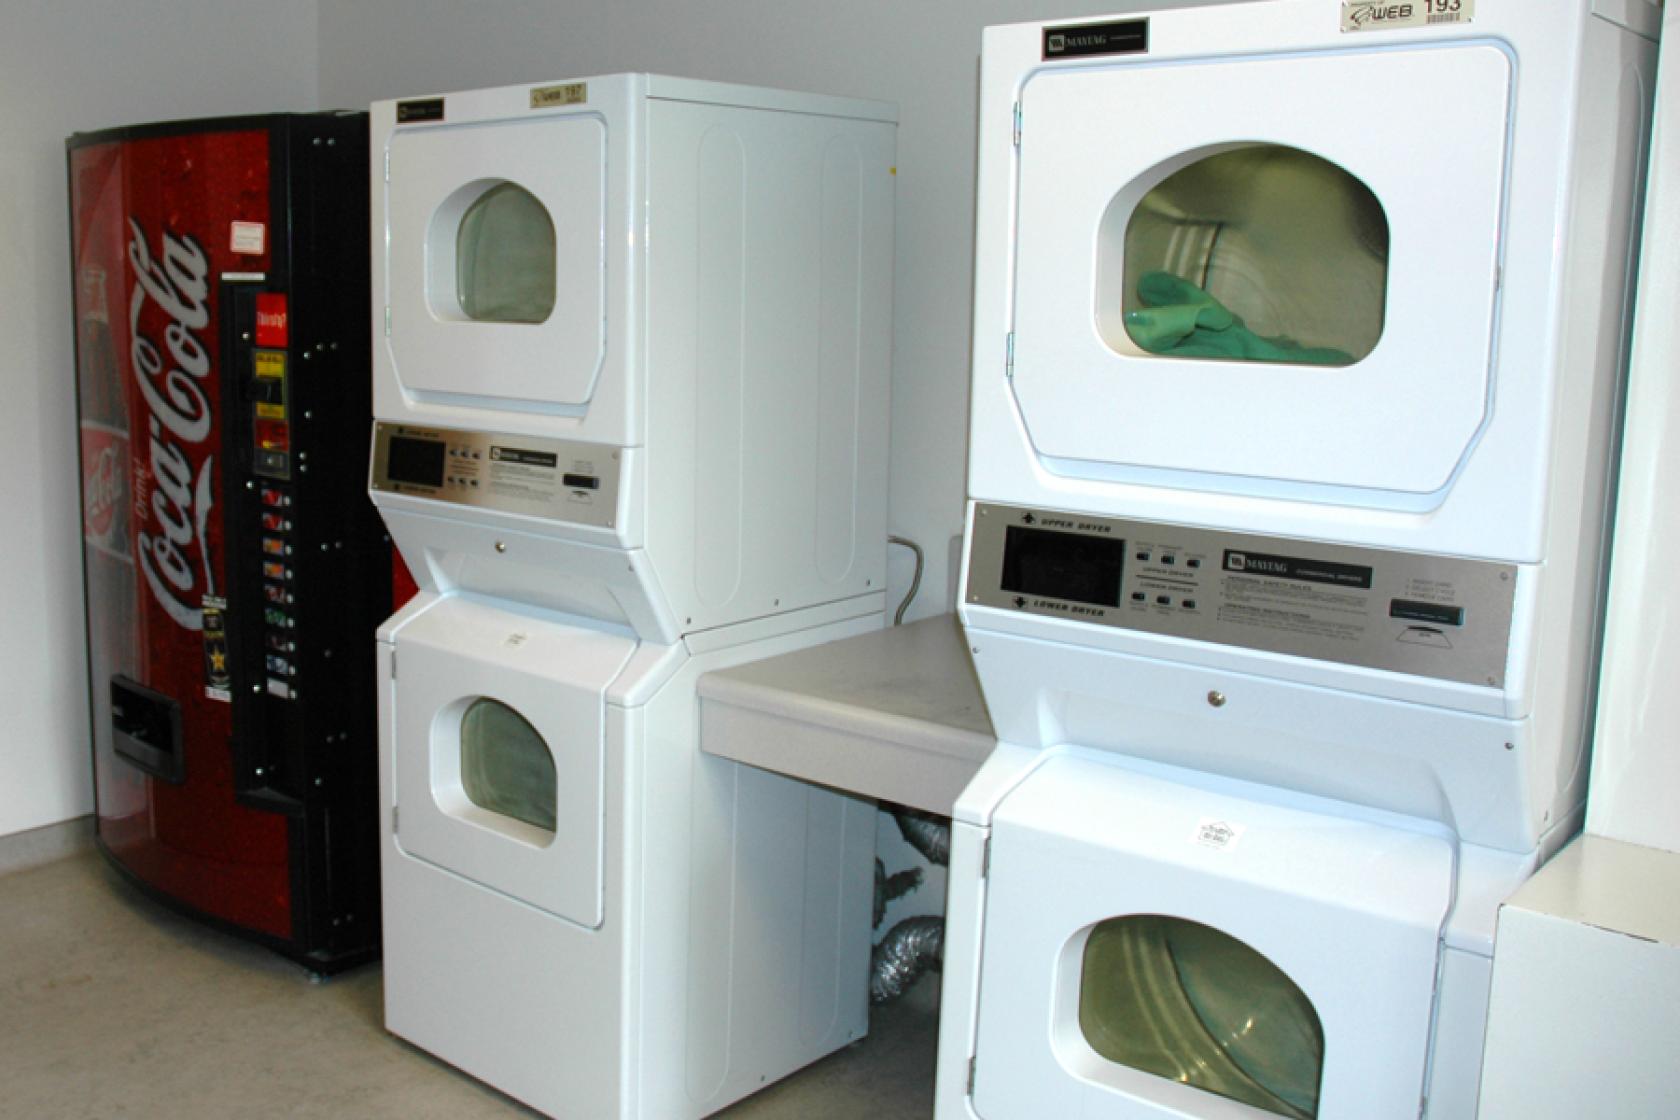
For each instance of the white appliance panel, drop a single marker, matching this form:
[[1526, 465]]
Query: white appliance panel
[[1400, 420], [555, 676], [435, 173], [768, 232], [1350, 911]]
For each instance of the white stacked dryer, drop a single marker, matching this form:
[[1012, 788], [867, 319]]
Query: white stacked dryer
[[1299, 335], [633, 350]]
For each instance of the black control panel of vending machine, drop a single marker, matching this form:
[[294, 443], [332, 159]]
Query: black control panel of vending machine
[[308, 560]]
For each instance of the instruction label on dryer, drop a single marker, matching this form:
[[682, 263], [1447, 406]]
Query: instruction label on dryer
[[1396, 15]]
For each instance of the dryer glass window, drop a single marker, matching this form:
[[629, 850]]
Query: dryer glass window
[[1188, 1003], [505, 258], [506, 767], [1258, 253]]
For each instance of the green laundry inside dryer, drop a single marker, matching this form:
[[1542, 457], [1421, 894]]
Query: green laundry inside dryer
[[1180, 320], [1190, 1004]]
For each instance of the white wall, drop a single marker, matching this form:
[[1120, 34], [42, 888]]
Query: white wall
[[1636, 747], [79, 65], [921, 54]]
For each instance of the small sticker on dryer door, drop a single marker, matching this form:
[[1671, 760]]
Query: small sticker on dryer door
[[1394, 15], [1218, 833]]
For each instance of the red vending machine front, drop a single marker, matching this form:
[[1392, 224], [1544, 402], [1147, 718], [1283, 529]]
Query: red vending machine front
[[235, 571]]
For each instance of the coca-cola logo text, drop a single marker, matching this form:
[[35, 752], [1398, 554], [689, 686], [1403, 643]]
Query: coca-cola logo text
[[179, 420]]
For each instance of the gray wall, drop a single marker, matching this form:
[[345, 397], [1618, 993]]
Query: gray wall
[[80, 65], [921, 54]]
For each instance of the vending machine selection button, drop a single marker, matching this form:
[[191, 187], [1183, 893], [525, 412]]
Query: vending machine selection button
[[273, 323]]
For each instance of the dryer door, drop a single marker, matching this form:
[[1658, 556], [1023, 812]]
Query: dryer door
[[1281, 281], [496, 259], [1154, 949], [499, 744]]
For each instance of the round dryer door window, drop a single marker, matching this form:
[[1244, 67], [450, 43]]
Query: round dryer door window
[[506, 767], [504, 257], [1188, 1003], [1257, 253]]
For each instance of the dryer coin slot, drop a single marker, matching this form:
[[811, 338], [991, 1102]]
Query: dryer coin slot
[[1425, 636], [1438, 614], [581, 481]]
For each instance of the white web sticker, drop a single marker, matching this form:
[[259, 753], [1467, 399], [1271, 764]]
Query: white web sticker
[[247, 238], [1218, 833], [1395, 15]]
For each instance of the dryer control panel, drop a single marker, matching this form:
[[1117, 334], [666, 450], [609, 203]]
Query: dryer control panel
[[1433, 616], [557, 480]]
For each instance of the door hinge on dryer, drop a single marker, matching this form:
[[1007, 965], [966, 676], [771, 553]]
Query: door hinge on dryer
[[1016, 138], [972, 1062], [1009, 356], [393, 820], [387, 167]]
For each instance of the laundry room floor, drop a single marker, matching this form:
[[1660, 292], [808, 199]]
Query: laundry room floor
[[113, 1006]]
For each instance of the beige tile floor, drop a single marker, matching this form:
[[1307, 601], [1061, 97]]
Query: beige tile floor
[[114, 1008]]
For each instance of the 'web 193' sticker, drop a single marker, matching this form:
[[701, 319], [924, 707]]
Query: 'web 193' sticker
[[1394, 15]]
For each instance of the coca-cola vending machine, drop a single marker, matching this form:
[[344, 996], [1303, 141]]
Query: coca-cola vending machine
[[235, 572]]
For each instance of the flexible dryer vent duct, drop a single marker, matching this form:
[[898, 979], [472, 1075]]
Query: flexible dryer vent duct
[[928, 834], [889, 887], [909, 949]]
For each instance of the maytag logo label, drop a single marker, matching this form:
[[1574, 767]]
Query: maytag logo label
[[1125, 37], [424, 109]]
